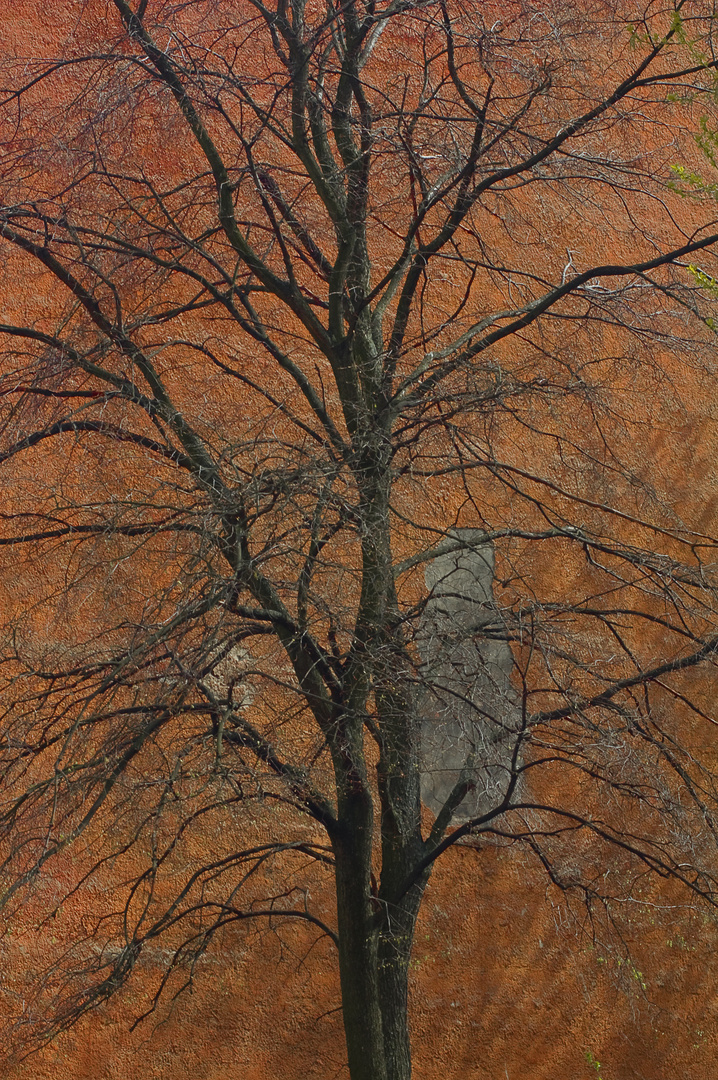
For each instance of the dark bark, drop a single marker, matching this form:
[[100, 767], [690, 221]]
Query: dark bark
[[358, 939]]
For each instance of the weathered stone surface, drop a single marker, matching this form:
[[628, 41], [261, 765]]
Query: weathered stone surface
[[471, 714]]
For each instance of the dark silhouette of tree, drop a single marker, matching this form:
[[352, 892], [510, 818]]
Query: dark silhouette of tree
[[346, 353]]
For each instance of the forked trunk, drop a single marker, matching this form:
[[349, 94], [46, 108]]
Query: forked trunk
[[394, 954], [374, 971]]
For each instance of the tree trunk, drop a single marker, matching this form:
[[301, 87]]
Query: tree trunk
[[358, 938], [394, 955], [376, 931], [374, 973]]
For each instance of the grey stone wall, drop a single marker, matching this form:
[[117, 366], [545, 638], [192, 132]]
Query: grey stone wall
[[469, 706]]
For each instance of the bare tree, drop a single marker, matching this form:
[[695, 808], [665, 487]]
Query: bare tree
[[337, 340]]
